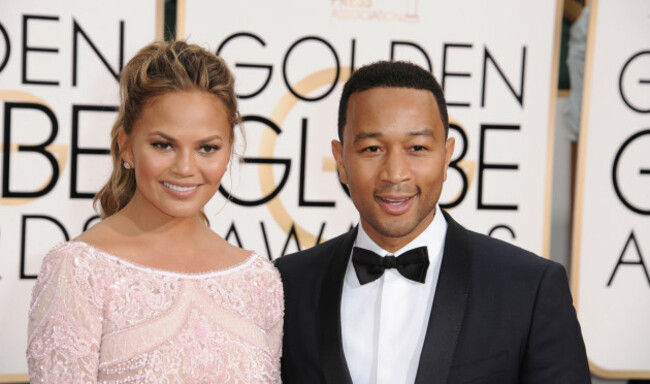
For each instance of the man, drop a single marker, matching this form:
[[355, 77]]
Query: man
[[410, 295]]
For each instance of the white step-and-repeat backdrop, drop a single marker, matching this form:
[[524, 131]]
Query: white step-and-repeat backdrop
[[291, 59], [611, 255], [59, 67], [59, 62]]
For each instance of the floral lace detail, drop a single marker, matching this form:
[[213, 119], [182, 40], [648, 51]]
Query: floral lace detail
[[98, 319], [262, 290], [139, 299]]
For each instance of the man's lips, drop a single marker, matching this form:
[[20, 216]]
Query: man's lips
[[395, 205], [394, 200]]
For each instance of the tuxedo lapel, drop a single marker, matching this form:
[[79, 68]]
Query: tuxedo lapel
[[335, 367], [448, 307]]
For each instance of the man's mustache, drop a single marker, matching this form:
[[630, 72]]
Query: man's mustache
[[397, 189]]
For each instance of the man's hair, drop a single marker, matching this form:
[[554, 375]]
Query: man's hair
[[391, 74]]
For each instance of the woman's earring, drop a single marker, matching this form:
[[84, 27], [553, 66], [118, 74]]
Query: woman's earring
[[126, 165]]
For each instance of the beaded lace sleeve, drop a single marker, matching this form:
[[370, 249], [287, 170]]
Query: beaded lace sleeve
[[275, 335], [65, 319], [275, 307]]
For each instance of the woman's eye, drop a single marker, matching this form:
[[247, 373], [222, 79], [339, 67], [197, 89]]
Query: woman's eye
[[208, 148], [161, 145]]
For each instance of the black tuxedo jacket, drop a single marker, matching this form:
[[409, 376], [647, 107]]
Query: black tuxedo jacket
[[500, 315]]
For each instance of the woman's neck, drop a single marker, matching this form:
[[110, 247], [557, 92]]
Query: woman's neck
[[146, 220]]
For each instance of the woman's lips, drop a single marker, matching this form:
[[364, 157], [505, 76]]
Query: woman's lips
[[181, 191]]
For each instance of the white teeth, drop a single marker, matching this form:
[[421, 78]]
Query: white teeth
[[179, 188], [395, 201]]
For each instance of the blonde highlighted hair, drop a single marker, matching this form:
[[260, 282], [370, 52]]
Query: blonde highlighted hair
[[158, 69]]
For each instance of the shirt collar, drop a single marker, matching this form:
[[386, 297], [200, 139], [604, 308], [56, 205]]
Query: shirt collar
[[432, 237]]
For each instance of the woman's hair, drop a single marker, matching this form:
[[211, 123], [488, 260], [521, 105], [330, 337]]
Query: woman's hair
[[158, 69]]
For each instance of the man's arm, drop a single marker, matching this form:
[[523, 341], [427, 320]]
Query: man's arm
[[555, 352]]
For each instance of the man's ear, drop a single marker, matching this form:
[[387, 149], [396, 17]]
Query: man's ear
[[337, 151], [125, 147], [449, 152]]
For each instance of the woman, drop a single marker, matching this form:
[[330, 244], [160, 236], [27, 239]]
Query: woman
[[151, 294]]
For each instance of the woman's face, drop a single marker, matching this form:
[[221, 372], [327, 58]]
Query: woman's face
[[179, 149]]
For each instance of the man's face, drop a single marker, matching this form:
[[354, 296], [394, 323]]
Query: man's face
[[394, 159]]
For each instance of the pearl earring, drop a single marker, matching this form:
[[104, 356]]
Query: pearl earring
[[126, 165]]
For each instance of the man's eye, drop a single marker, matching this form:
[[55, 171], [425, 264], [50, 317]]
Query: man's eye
[[161, 145], [208, 148], [372, 149], [418, 148]]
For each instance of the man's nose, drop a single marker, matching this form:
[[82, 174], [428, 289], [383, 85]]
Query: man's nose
[[396, 167]]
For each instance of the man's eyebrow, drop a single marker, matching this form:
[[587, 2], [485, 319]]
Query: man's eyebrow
[[373, 135], [424, 132], [366, 135]]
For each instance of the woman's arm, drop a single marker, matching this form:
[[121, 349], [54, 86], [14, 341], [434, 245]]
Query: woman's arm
[[65, 319]]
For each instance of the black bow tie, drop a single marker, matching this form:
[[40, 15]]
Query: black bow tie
[[369, 266]]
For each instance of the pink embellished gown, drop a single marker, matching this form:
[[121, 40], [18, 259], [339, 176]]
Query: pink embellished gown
[[96, 318]]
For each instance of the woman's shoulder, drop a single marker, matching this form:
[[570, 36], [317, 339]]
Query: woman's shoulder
[[75, 269], [248, 261], [102, 243], [78, 258], [262, 265], [251, 269], [259, 284], [82, 259], [265, 275], [72, 251], [52, 262]]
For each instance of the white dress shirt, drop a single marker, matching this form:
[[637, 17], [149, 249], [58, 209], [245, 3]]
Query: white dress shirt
[[383, 323]]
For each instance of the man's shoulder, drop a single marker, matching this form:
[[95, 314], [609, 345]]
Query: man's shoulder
[[501, 260], [501, 254], [496, 267], [490, 244]]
